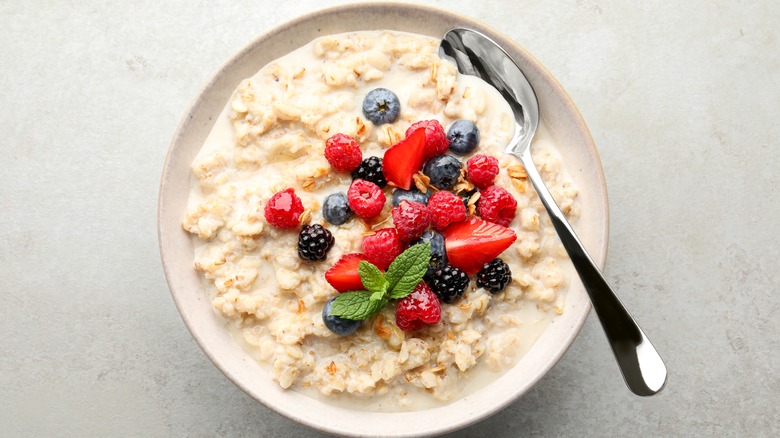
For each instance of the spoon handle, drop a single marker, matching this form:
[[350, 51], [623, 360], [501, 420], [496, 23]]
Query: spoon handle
[[641, 365]]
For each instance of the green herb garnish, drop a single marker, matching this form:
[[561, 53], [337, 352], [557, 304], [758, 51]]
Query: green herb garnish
[[403, 275]]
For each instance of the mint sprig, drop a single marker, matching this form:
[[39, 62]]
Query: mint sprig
[[407, 270], [403, 275], [357, 305], [372, 278]]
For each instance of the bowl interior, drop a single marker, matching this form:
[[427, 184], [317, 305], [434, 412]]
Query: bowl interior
[[559, 114]]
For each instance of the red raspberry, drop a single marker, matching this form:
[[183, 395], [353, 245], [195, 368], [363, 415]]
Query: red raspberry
[[482, 170], [446, 208], [436, 142], [496, 205], [343, 152], [365, 198], [284, 209], [411, 219], [417, 309], [383, 247]]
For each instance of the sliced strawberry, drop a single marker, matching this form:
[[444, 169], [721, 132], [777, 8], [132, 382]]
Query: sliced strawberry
[[473, 243], [404, 159], [343, 276]]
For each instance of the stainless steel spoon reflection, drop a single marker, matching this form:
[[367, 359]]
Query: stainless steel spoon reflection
[[477, 55]]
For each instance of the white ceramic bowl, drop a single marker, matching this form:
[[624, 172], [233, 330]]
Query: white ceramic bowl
[[207, 327]]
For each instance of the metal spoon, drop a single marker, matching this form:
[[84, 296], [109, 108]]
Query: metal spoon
[[477, 55]]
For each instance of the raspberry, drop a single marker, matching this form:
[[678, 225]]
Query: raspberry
[[494, 276], [411, 219], [314, 242], [482, 170], [436, 142], [284, 209], [383, 247], [343, 152], [365, 198], [446, 208], [496, 205], [417, 309], [449, 283]]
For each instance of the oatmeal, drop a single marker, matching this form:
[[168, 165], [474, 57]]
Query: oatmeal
[[343, 154]]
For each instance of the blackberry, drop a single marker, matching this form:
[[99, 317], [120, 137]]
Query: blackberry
[[494, 276], [314, 242], [449, 283], [370, 169]]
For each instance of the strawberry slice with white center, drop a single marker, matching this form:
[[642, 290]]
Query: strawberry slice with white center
[[473, 243], [343, 276], [404, 159]]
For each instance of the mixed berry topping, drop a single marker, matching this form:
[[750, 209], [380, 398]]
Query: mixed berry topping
[[463, 136], [449, 283], [411, 219], [494, 276], [336, 209], [381, 106], [413, 195], [343, 152], [417, 309], [473, 243], [482, 170], [284, 209], [314, 242], [438, 253], [365, 198], [434, 238], [370, 169], [383, 247], [344, 276], [443, 170], [436, 142], [497, 205], [405, 159], [446, 208]]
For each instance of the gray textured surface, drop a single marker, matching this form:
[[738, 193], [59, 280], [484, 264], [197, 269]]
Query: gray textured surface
[[682, 102]]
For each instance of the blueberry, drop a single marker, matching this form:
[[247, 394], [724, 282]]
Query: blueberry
[[463, 136], [412, 195], [336, 209], [438, 251], [443, 170], [381, 106], [338, 325]]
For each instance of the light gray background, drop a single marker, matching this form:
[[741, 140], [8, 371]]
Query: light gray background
[[682, 99]]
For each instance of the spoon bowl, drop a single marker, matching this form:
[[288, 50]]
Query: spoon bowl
[[477, 55]]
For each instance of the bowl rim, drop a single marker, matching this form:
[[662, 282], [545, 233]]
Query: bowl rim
[[504, 40]]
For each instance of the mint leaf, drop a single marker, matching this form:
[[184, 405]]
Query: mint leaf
[[372, 278], [401, 278], [379, 295], [356, 305], [408, 269]]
